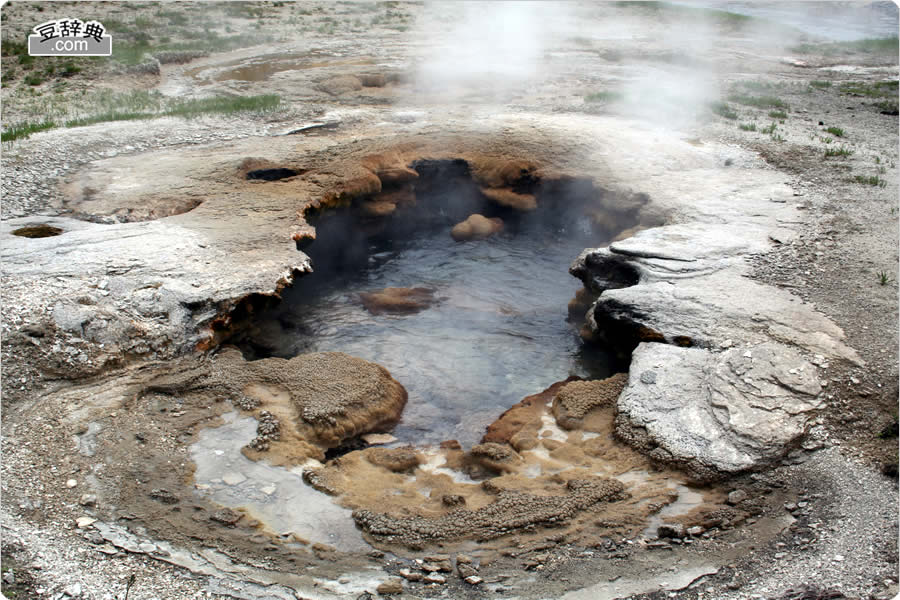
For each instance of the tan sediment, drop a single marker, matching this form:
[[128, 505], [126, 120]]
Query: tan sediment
[[476, 227], [575, 400], [559, 485], [397, 300], [510, 199], [319, 399]]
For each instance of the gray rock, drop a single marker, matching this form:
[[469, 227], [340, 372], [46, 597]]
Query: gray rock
[[716, 414], [466, 570], [684, 284], [648, 377], [737, 496], [670, 530]]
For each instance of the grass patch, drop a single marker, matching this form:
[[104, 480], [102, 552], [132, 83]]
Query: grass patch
[[820, 84], [842, 151], [23, 130], [604, 96], [887, 46], [223, 105], [835, 131], [888, 107], [133, 52], [139, 104], [758, 101], [873, 180], [777, 114], [688, 12], [723, 110], [876, 89], [769, 130], [747, 126]]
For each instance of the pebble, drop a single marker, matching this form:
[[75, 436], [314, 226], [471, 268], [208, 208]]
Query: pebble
[[83, 522], [88, 500], [71, 483], [473, 580], [233, 478], [410, 575], [391, 586], [435, 578], [737, 496]]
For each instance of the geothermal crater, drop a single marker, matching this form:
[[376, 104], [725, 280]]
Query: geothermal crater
[[469, 322], [454, 278]]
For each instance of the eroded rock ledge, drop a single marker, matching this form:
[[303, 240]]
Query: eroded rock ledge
[[721, 378], [313, 401], [512, 511]]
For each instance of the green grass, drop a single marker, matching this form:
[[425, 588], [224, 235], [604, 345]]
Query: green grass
[[758, 101], [134, 52], [604, 96], [887, 46], [747, 126], [139, 104], [769, 129], [888, 107], [777, 114], [835, 131], [23, 130], [723, 110], [223, 105], [688, 12], [820, 84], [876, 89], [842, 151], [873, 180]]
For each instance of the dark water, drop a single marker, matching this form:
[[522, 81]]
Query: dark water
[[498, 332]]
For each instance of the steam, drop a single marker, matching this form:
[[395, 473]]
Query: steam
[[488, 49], [659, 66]]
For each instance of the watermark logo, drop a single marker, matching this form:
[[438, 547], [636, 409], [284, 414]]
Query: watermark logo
[[70, 37]]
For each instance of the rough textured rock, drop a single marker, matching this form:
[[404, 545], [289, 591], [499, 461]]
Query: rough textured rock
[[498, 457], [391, 586], [476, 227], [522, 418], [510, 512], [341, 85], [394, 459], [716, 414], [578, 398], [317, 400], [335, 395], [378, 209], [510, 199], [398, 300], [682, 284]]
